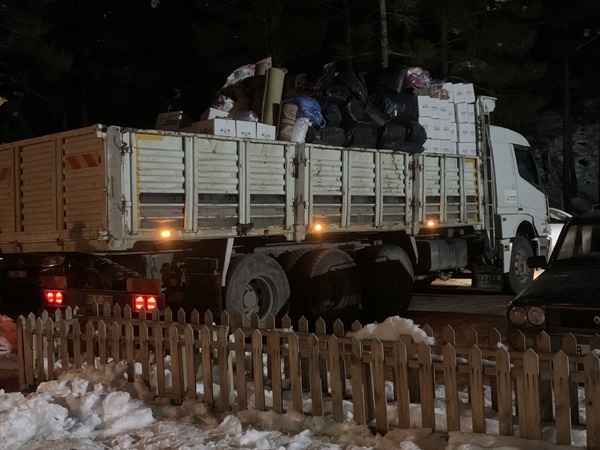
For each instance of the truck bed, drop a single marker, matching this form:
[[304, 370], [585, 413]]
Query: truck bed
[[103, 189]]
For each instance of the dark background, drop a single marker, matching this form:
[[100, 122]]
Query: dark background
[[65, 64]]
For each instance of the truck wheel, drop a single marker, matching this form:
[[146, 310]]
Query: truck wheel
[[256, 284], [520, 275], [326, 285], [288, 260], [387, 280]]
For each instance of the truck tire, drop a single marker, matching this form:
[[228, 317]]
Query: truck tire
[[387, 281], [256, 284], [326, 285], [288, 260], [520, 275]]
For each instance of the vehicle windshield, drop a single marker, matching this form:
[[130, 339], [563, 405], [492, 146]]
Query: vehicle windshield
[[581, 239]]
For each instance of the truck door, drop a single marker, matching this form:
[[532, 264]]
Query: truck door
[[531, 199]]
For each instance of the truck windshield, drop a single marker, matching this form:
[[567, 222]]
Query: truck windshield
[[526, 164], [581, 239]]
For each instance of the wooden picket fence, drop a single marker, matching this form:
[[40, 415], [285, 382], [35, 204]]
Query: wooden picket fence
[[529, 387]]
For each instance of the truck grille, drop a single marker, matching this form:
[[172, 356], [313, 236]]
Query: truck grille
[[573, 318]]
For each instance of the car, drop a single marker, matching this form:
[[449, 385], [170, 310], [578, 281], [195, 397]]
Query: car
[[565, 298], [557, 219]]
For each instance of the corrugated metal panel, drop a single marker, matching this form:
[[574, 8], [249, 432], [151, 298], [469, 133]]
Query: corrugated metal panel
[[362, 192], [452, 190], [432, 189], [471, 189], [160, 177], [217, 181], [84, 181], [325, 184], [38, 187], [8, 221], [267, 183], [393, 186]]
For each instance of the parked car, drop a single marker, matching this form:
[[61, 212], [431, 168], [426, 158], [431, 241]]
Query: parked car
[[565, 298], [557, 218]]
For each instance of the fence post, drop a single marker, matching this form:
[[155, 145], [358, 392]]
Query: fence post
[[116, 341], [505, 407], [275, 360], [401, 384], [569, 346], [145, 353], [206, 352], [358, 394], [381, 422], [159, 352], [175, 364], [240, 368], [224, 361], [102, 342], [592, 400], [562, 398], [530, 424], [64, 345], [295, 371], [450, 382], [476, 389], [130, 351], [426, 385], [546, 406], [257, 363], [190, 362], [335, 363], [315, 376], [89, 343]]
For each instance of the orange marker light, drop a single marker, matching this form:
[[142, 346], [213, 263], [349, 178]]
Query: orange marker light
[[318, 227], [165, 234]]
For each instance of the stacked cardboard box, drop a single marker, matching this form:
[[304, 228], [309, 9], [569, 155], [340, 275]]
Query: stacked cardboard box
[[448, 116]]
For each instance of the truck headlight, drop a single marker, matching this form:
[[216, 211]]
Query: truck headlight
[[536, 316], [517, 316]]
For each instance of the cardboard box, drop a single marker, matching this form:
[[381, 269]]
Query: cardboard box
[[434, 108], [424, 103], [427, 124], [245, 129], [450, 90], [467, 148], [448, 148], [470, 113], [469, 91], [213, 113], [216, 127], [466, 132], [453, 146], [461, 113], [266, 132], [445, 105], [173, 121], [447, 130], [437, 129], [435, 146], [453, 134], [451, 112], [459, 92]]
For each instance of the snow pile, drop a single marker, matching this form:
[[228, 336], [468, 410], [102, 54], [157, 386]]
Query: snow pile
[[391, 329]]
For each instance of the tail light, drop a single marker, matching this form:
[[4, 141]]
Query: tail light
[[53, 298], [148, 302]]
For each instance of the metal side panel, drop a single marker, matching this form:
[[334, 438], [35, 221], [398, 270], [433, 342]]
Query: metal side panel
[[220, 186], [8, 190], [160, 180], [270, 185], [448, 190], [396, 189], [325, 191], [53, 192]]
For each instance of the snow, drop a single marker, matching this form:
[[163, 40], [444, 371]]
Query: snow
[[98, 408]]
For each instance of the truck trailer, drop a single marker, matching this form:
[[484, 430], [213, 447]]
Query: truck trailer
[[152, 218]]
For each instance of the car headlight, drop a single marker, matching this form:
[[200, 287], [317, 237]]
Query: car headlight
[[536, 316], [53, 261], [517, 316]]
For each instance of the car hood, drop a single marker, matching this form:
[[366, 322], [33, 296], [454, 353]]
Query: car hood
[[565, 283]]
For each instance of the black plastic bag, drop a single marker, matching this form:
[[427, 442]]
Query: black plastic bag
[[327, 77], [392, 132], [355, 83], [332, 115], [336, 95], [415, 132], [326, 136], [361, 135], [396, 107], [390, 78], [377, 117], [403, 146], [353, 112]]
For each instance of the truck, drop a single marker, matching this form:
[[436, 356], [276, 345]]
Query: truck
[[151, 218]]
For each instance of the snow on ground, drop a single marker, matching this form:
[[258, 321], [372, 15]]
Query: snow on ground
[[98, 408]]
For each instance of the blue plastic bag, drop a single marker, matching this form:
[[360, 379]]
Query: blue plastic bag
[[308, 107]]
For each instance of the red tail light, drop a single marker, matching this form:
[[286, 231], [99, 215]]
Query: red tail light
[[144, 301], [53, 298]]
